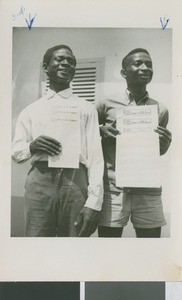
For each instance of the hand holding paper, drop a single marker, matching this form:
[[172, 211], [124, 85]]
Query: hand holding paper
[[165, 138], [45, 144], [64, 126], [108, 131]]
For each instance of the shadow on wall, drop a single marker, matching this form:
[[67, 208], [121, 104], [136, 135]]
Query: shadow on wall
[[18, 221]]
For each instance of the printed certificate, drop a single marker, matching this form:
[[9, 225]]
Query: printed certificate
[[64, 125], [137, 148]]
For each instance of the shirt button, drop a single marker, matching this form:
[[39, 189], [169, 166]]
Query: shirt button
[[128, 190]]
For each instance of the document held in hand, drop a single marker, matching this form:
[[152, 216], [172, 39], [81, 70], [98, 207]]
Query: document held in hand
[[137, 147], [64, 125]]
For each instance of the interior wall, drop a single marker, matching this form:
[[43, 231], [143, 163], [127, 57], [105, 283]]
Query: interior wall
[[112, 44]]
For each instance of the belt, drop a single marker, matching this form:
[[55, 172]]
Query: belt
[[140, 191]]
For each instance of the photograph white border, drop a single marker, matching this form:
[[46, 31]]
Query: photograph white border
[[50, 259]]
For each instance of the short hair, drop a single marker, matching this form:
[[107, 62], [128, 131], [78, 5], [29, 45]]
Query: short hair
[[49, 53], [137, 50]]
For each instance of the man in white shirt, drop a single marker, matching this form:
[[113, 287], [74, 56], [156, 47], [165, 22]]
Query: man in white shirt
[[59, 202]]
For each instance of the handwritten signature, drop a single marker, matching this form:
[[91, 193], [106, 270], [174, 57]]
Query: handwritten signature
[[29, 20]]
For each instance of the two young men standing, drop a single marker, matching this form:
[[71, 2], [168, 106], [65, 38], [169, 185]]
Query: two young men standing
[[66, 202]]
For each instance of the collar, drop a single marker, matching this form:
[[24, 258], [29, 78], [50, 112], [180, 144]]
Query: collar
[[63, 94], [130, 98]]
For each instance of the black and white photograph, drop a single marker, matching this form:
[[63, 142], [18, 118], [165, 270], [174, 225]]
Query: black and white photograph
[[91, 132], [91, 141]]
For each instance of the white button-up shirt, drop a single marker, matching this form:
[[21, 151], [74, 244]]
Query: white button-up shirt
[[30, 125]]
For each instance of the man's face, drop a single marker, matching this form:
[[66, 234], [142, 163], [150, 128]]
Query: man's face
[[138, 70], [61, 68]]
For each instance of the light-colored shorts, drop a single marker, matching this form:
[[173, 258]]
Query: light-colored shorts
[[144, 211]]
